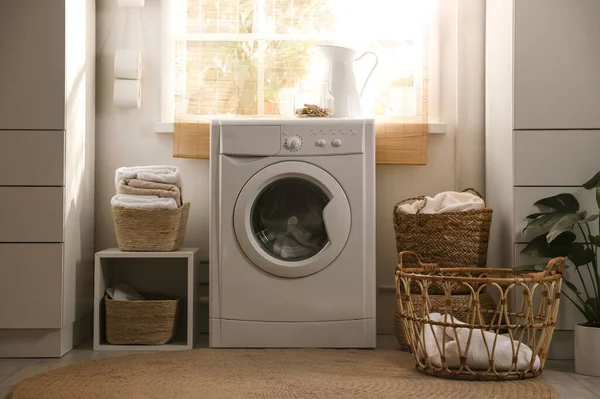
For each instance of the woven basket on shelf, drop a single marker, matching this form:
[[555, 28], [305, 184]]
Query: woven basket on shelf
[[461, 308], [448, 239], [147, 322], [513, 345], [160, 230]]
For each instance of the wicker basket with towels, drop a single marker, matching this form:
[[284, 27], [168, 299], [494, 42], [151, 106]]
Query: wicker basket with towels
[[450, 229], [148, 210]]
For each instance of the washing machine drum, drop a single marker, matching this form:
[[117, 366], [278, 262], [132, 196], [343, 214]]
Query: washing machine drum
[[292, 219]]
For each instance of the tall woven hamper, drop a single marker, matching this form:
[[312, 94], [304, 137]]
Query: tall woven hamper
[[448, 239]]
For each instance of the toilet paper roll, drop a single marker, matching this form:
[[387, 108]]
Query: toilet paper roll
[[128, 64], [130, 3], [127, 93]]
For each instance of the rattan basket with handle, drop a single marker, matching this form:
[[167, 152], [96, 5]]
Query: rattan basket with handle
[[147, 322], [160, 230], [512, 345], [449, 239]]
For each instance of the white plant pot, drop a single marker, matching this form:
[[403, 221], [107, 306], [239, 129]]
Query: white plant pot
[[587, 350]]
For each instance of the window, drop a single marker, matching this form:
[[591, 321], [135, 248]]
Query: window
[[248, 57]]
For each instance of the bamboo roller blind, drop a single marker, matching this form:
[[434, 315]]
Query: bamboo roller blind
[[246, 58]]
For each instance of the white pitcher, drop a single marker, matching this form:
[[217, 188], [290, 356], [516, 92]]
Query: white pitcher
[[342, 82]]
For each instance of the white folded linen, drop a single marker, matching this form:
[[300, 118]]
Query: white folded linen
[[142, 202], [479, 355], [447, 201], [123, 292], [432, 337], [155, 173]]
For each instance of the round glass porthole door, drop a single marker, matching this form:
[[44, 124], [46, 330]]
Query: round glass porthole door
[[292, 219], [287, 219]]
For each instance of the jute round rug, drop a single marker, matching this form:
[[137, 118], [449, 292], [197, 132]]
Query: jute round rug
[[267, 373]]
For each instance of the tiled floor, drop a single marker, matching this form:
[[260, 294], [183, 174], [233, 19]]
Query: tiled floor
[[560, 373]]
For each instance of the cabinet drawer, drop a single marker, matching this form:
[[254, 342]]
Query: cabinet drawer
[[32, 71], [526, 196], [31, 214], [568, 315], [30, 285], [556, 157], [31, 158], [556, 74]]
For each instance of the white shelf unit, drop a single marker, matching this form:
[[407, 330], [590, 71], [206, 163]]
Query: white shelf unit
[[170, 273]]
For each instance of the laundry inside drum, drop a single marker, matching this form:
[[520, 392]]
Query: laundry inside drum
[[287, 219]]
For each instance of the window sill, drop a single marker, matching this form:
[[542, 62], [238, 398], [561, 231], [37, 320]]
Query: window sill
[[168, 128]]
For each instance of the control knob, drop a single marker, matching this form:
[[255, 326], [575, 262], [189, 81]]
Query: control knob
[[336, 143], [293, 143], [321, 143]]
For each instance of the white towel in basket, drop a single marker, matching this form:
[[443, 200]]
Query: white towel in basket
[[478, 355], [142, 202], [447, 201], [156, 173]]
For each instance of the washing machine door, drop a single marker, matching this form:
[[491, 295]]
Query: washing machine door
[[292, 219]]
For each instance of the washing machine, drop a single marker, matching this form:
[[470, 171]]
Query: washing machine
[[292, 233]]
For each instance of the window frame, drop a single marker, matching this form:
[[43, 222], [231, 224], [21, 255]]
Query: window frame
[[171, 30]]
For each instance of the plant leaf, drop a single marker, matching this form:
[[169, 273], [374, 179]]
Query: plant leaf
[[566, 203], [595, 240], [593, 182], [572, 287], [580, 255], [598, 196], [536, 215], [562, 245], [539, 247], [544, 220], [591, 305], [589, 311], [565, 223]]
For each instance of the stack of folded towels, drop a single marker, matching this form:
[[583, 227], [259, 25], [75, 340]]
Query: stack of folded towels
[[148, 187]]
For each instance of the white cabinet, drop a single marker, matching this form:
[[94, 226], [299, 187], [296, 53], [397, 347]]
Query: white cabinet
[[31, 214], [47, 110], [32, 78], [30, 286], [556, 57], [542, 117], [32, 157], [556, 157]]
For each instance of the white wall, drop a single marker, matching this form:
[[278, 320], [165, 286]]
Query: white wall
[[127, 138]]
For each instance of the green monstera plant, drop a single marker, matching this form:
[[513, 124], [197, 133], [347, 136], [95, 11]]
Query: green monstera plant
[[559, 217]]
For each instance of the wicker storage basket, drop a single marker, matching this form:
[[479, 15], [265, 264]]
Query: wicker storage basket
[[536, 299], [449, 239], [148, 322], [461, 309], [160, 230]]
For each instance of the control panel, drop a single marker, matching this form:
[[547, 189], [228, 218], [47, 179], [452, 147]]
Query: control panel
[[314, 138]]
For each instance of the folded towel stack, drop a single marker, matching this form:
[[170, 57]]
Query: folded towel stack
[[148, 187]]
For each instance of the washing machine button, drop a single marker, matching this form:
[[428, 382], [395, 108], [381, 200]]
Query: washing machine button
[[293, 143], [321, 143], [336, 143]]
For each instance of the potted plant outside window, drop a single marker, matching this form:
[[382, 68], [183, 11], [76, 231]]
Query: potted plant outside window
[[560, 217]]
